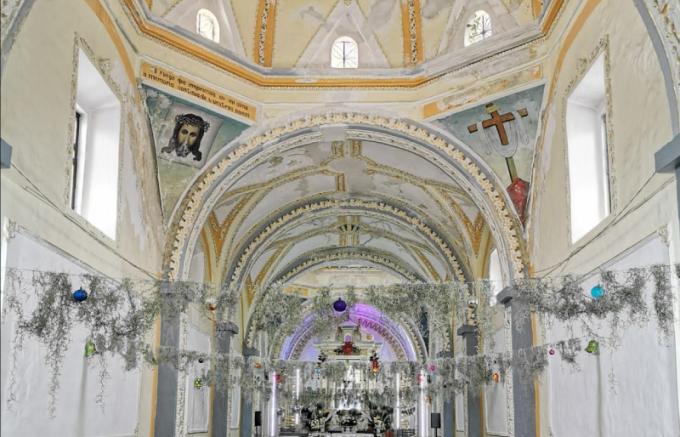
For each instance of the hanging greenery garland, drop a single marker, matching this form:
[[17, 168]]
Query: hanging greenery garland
[[116, 317]]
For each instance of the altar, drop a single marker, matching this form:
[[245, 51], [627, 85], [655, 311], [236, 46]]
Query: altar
[[338, 384]]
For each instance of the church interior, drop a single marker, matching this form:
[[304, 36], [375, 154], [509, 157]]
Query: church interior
[[350, 218]]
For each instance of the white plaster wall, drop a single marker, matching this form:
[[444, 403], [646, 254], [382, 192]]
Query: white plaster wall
[[198, 400], [38, 96], [625, 391], [77, 413], [37, 118], [581, 403]]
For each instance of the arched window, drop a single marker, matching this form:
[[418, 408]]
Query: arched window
[[478, 28], [207, 26], [345, 53]]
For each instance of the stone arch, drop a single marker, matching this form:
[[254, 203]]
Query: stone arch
[[464, 166]]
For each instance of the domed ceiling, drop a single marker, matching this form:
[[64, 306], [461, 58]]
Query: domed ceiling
[[389, 34]]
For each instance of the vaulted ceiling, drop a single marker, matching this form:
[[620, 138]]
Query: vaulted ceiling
[[348, 204]]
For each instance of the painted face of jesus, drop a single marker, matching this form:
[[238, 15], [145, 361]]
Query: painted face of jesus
[[187, 134]]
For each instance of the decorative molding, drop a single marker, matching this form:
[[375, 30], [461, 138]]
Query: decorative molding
[[264, 32], [413, 42], [103, 67], [468, 97], [666, 17], [304, 210], [165, 77], [503, 223], [508, 382], [304, 262]]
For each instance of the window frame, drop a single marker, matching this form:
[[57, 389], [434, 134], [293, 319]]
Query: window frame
[[83, 222], [583, 68]]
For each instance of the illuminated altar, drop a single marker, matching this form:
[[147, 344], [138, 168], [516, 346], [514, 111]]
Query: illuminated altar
[[340, 384]]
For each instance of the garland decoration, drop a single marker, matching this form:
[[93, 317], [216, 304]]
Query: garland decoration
[[117, 317]]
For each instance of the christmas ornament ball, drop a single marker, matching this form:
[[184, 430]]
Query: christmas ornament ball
[[593, 347], [79, 295], [597, 292], [339, 305]]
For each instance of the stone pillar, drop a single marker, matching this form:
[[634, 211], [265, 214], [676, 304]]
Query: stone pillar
[[422, 416], [166, 389], [247, 412], [447, 409], [523, 392], [448, 419], [474, 419], [223, 333]]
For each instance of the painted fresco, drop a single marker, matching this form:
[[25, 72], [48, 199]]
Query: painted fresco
[[503, 133], [186, 136]]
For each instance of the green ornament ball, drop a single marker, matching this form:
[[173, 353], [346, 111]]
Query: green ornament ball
[[593, 347], [90, 349]]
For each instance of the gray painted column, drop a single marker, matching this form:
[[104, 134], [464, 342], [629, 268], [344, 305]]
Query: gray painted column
[[220, 427], [166, 390], [447, 410], [5, 154], [667, 160], [474, 426], [247, 413], [523, 392], [447, 419]]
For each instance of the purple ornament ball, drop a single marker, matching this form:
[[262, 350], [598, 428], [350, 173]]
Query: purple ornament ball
[[340, 305]]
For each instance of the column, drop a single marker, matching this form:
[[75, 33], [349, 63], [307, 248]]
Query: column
[[247, 412], [396, 412], [166, 389], [272, 417], [474, 425], [223, 333], [667, 160], [422, 413], [523, 392], [447, 410]]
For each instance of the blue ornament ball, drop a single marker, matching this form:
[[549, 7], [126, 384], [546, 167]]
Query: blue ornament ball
[[80, 295], [340, 305], [597, 292]]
